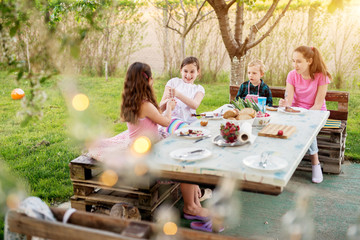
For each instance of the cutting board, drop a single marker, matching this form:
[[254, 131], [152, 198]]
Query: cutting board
[[271, 130]]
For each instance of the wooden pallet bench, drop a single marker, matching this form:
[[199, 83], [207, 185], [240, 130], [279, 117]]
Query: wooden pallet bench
[[331, 141], [85, 226], [90, 191]]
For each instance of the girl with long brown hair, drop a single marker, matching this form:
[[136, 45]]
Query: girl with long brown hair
[[139, 107], [306, 87], [139, 110]]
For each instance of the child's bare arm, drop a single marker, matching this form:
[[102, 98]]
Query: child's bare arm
[[320, 96], [290, 96], [192, 103], [150, 111], [166, 96]]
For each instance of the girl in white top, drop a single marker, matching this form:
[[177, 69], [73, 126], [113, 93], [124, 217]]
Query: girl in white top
[[188, 95]]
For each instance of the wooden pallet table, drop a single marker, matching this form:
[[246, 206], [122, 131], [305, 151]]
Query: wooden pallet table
[[90, 191]]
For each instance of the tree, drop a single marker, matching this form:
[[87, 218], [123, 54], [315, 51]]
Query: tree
[[180, 21], [235, 44]]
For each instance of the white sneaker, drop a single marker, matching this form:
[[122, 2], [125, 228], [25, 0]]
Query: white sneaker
[[317, 176]]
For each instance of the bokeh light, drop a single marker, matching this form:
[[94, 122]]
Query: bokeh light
[[170, 228], [142, 145], [80, 102], [141, 169], [12, 201], [109, 178]]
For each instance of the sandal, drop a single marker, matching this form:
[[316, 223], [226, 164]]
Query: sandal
[[195, 217], [204, 226], [205, 194]]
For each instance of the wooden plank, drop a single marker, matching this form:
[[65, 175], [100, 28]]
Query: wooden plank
[[108, 197], [271, 130], [214, 180], [23, 224], [124, 190], [86, 161], [108, 223]]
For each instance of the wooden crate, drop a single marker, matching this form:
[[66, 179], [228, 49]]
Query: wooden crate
[[331, 141], [90, 192]]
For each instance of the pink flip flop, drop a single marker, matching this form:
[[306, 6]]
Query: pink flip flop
[[204, 226], [195, 217]]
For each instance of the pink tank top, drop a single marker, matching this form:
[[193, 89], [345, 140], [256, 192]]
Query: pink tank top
[[144, 127]]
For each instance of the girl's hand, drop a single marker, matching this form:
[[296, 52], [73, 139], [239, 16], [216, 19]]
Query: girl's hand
[[172, 92], [171, 103], [282, 103]]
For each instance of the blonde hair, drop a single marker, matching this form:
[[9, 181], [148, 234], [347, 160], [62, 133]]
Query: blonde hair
[[259, 63]]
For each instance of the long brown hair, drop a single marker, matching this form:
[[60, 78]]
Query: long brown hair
[[318, 65], [137, 89]]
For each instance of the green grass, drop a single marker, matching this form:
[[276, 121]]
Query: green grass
[[45, 168]]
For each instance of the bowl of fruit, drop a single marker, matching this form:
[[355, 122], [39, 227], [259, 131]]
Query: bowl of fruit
[[261, 120], [229, 132]]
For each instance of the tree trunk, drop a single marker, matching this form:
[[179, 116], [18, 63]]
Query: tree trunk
[[183, 47], [237, 70], [166, 40], [311, 16]]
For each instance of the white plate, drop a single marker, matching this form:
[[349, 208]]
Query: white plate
[[302, 110], [273, 163], [218, 140], [204, 132], [190, 154]]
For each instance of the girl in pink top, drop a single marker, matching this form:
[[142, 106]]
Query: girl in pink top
[[141, 112], [306, 87]]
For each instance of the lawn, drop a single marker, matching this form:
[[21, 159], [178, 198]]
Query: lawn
[[40, 152]]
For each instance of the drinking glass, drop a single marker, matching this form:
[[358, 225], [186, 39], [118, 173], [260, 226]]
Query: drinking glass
[[262, 103]]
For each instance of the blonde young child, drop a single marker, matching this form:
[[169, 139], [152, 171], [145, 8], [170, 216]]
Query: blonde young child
[[255, 87], [188, 97], [306, 87]]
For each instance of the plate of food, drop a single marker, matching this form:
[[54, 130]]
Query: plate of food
[[190, 154], [273, 109], [192, 132], [273, 163], [292, 110]]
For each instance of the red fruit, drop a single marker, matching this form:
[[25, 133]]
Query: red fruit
[[280, 133]]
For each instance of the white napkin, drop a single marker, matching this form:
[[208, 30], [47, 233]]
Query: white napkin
[[245, 134]]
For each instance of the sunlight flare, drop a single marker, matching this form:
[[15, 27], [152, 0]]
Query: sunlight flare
[[109, 178], [142, 145], [80, 102], [170, 228]]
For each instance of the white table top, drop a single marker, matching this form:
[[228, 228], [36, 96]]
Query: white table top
[[229, 160]]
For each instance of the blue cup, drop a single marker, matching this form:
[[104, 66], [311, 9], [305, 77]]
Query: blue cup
[[262, 103]]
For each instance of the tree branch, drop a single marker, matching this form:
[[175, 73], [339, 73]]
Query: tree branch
[[229, 5], [254, 43], [255, 28], [193, 23]]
